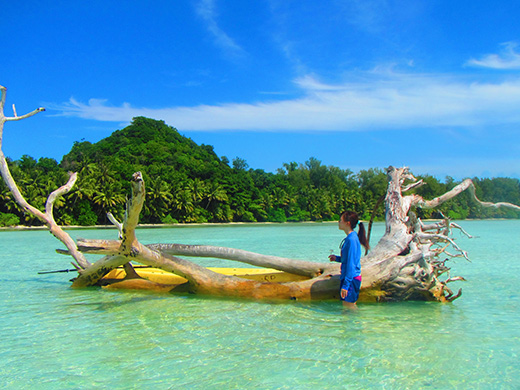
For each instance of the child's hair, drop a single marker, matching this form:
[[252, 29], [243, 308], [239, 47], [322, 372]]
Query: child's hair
[[352, 217]]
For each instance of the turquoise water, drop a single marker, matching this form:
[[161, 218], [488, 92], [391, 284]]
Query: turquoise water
[[53, 337]]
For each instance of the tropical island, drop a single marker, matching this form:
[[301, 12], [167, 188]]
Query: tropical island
[[405, 264], [189, 183]]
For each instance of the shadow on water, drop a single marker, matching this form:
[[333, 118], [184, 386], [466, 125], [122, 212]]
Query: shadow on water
[[35, 279], [110, 305]]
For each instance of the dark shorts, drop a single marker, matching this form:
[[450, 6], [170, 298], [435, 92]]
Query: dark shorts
[[352, 289]]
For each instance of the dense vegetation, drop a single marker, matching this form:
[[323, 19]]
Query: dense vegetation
[[187, 182]]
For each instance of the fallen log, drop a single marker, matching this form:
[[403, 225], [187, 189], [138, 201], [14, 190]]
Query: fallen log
[[404, 265]]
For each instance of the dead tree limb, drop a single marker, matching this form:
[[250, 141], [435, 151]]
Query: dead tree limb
[[201, 280], [403, 265], [46, 217]]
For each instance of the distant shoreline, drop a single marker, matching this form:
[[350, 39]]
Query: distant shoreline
[[156, 226], [160, 226]]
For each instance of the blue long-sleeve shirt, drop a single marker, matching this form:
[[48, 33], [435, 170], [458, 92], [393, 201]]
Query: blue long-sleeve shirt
[[350, 258]]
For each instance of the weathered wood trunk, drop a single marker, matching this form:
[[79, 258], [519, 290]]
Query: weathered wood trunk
[[403, 265]]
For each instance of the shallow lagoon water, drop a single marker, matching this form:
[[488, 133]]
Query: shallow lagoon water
[[55, 337]]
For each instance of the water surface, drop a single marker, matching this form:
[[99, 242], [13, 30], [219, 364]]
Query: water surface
[[55, 337]]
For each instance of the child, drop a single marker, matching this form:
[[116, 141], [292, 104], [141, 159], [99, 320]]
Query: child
[[350, 258]]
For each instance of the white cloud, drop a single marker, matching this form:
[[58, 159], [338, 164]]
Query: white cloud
[[206, 11], [310, 83], [508, 58], [392, 102]]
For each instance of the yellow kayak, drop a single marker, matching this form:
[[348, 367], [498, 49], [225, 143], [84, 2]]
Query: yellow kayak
[[159, 276]]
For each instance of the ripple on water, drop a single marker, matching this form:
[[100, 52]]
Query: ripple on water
[[56, 337]]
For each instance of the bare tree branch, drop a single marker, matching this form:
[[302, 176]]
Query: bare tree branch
[[465, 185], [47, 218], [441, 237], [417, 184], [116, 223]]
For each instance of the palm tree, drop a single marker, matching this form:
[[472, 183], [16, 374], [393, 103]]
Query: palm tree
[[223, 213], [158, 198], [183, 203], [198, 190], [7, 203], [108, 197], [280, 197], [215, 192]]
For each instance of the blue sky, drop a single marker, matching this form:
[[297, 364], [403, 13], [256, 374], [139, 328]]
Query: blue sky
[[433, 84]]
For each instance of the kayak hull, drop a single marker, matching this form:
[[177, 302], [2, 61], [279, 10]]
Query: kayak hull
[[163, 277]]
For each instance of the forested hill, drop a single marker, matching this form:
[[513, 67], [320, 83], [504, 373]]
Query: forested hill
[[187, 182], [150, 146]]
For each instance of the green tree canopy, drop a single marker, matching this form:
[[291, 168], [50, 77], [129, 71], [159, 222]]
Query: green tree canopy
[[188, 182]]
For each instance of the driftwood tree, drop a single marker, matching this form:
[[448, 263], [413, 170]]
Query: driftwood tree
[[405, 264]]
